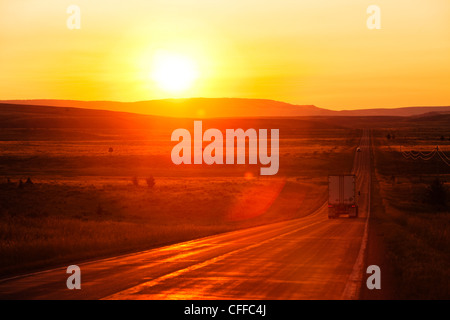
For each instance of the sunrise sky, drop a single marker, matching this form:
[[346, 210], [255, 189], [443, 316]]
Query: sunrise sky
[[297, 51]]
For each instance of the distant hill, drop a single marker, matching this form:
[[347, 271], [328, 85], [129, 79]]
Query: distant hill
[[396, 112], [191, 108], [49, 117], [226, 107], [36, 116], [434, 115]]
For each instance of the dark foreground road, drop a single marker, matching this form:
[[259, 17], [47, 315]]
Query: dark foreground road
[[308, 258]]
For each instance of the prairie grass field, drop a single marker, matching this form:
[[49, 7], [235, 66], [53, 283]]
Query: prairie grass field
[[416, 229]]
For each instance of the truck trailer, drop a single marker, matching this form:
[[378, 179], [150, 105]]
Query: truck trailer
[[342, 196]]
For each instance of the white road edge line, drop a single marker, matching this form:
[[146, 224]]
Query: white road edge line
[[353, 286]]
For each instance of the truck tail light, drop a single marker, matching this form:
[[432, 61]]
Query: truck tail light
[[330, 206], [353, 206]]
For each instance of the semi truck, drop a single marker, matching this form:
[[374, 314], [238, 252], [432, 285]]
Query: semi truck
[[342, 196]]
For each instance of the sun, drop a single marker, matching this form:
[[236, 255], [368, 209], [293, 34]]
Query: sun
[[174, 73]]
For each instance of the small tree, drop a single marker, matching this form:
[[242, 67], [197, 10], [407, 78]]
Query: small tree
[[388, 136], [135, 181], [150, 182], [437, 193]]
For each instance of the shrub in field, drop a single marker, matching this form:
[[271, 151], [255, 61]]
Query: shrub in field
[[150, 182], [99, 210], [437, 193], [135, 181]]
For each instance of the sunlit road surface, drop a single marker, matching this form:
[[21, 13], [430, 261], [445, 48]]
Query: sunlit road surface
[[309, 258]]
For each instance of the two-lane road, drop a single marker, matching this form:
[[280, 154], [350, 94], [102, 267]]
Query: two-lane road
[[308, 258]]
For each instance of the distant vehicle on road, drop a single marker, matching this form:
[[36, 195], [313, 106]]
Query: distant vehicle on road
[[358, 149], [342, 196]]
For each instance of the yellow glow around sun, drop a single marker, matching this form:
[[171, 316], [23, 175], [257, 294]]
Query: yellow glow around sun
[[173, 73]]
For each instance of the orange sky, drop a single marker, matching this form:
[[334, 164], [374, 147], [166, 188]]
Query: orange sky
[[298, 51]]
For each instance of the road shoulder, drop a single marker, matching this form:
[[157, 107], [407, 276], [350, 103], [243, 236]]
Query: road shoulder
[[376, 252]]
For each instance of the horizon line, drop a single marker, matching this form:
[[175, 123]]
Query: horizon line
[[231, 98]]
